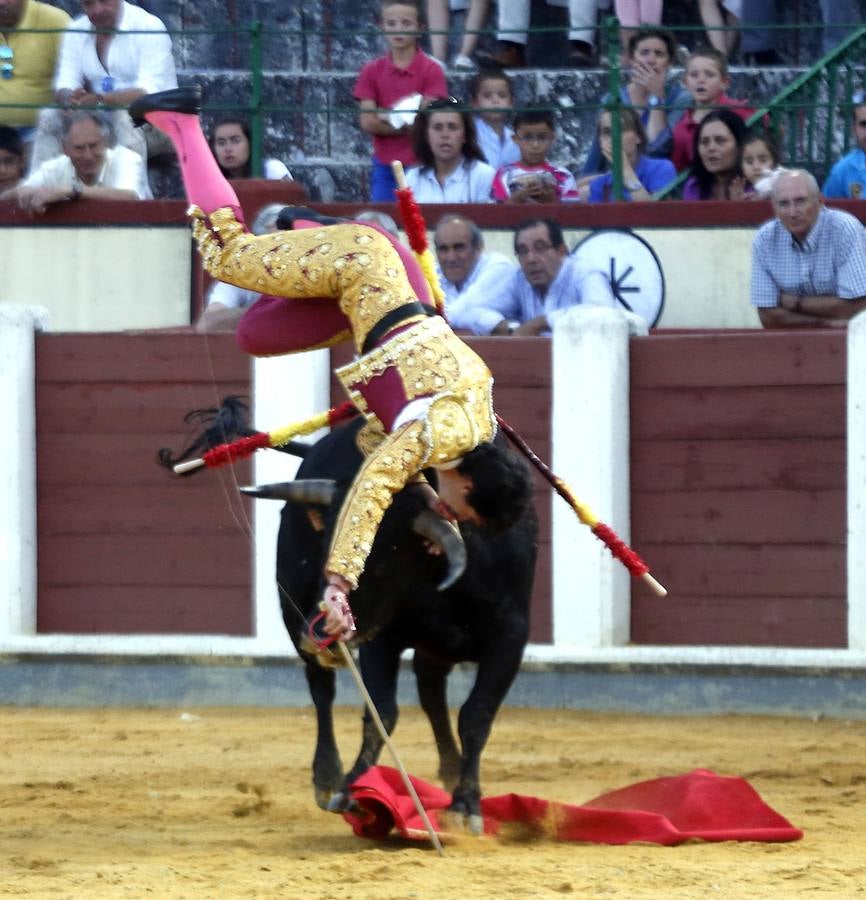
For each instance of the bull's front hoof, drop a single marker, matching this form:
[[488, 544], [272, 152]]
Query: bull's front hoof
[[458, 822], [466, 804], [476, 824], [341, 802], [323, 798]]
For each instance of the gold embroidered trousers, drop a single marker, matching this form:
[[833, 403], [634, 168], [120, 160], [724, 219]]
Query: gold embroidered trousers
[[351, 264]]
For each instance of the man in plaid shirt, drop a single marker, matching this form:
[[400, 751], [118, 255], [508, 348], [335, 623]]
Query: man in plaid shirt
[[809, 263]]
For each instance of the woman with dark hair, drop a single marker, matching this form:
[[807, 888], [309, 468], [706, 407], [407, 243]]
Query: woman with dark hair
[[642, 176], [659, 99], [452, 167], [717, 172], [231, 144]]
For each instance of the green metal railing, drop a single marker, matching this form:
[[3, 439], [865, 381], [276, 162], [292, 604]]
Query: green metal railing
[[805, 114]]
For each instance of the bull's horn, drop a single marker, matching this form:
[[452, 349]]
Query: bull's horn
[[447, 536], [304, 490]]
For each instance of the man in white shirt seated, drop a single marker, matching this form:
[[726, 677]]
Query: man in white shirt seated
[[87, 168], [468, 274], [547, 284], [113, 54]]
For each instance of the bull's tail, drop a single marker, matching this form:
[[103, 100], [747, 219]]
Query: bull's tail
[[215, 425], [220, 425]]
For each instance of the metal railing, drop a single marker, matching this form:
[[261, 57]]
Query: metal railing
[[805, 114]]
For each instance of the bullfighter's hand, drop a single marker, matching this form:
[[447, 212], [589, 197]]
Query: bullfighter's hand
[[339, 620]]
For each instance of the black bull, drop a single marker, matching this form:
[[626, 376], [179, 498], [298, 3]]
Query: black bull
[[482, 618]]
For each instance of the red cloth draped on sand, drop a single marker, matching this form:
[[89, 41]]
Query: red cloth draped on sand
[[666, 811]]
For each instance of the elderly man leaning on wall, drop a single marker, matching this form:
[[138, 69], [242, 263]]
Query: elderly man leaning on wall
[[87, 168], [809, 263], [470, 276]]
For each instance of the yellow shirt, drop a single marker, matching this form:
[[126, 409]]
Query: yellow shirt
[[34, 59]]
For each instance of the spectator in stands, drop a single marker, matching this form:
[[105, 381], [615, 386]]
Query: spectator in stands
[[634, 13], [847, 178], [27, 60], [492, 94], [641, 175], [231, 142], [513, 23], [841, 19], [88, 168], [404, 70], [227, 303], [533, 179], [706, 80], [761, 159], [383, 220], [662, 103], [759, 20], [469, 275], [547, 283], [717, 172], [110, 56], [437, 22], [809, 263], [451, 167], [11, 158], [721, 17]]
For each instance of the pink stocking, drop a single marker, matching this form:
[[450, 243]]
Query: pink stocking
[[205, 184]]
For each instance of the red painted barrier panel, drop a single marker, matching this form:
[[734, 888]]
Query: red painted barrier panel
[[738, 487]]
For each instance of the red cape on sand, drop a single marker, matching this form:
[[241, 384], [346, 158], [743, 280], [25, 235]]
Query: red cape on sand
[[666, 811]]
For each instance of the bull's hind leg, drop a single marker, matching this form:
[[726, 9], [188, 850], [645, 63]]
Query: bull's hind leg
[[497, 669], [432, 680]]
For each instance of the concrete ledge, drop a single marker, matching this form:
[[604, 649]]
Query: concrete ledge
[[664, 689]]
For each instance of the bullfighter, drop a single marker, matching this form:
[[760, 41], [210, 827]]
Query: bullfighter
[[427, 396]]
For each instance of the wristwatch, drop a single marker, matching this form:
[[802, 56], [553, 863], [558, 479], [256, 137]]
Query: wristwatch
[[653, 101], [512, 326], [633, 186], [74, 193]]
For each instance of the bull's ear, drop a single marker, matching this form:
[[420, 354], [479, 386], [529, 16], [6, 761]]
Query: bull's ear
[[447, 536], [304, 490]]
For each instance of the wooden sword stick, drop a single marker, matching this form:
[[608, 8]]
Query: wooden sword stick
[[374, 713]]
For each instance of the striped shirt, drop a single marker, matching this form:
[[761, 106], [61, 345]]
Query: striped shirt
[[831, 261]]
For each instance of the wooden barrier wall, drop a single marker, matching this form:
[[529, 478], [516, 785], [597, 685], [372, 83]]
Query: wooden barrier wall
[[738, 487], [124, 546], [738, 481]]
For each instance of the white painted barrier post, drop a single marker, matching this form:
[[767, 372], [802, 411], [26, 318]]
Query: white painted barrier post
[[590, 436], [18, 327], [856, 441], [286, 389]]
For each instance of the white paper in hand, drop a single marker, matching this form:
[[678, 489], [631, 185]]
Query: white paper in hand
[[403, 112]]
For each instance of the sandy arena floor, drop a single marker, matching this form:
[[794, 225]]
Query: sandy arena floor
[[217, 803]]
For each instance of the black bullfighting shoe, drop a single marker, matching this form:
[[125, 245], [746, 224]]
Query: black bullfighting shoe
[[291, 214], [181, 100]]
